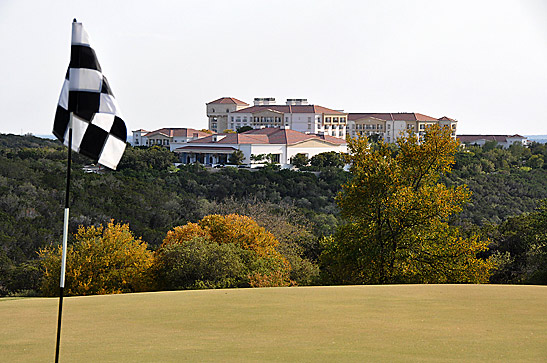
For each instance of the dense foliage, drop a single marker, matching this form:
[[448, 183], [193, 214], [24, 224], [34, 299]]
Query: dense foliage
[[298, 208]]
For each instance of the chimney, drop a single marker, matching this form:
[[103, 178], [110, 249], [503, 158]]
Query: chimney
[[297, 101], [264, 101]]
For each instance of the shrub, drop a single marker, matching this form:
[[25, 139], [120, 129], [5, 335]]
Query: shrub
[[101, 261]]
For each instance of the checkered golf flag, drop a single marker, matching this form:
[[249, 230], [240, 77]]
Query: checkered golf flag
[[98, 130]]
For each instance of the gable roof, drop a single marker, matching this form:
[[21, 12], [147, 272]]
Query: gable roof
[[291, 109], [269, 135], [399, 116], [228, 100], [180, 132], [444, 118]]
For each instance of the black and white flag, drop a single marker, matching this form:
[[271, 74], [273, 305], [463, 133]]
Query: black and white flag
[[88, 106]]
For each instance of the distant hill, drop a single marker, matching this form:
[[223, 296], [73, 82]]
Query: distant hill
[[537, 138], [11, 141]]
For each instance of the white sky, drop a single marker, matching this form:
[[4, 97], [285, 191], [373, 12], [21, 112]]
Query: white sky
[[483, 63]]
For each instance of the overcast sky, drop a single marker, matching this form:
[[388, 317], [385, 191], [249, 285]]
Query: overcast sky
[[483, 63]]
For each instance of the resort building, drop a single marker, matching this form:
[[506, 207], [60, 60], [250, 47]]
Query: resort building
[[389, 126], [295, 114], [503, 140], [218, 112], [281, 143], [228, 113], [171, 138]]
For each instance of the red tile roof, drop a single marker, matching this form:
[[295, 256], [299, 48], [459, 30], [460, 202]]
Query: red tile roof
[[269, 136], [231, 100], [172, 132], [399, 116], [194, 148], [291, 109], [444, 118]]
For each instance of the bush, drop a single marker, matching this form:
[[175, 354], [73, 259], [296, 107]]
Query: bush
[[101, 261], [200, 263], [242, 254]]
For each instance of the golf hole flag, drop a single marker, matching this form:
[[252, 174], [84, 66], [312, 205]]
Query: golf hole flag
[[88, 106]]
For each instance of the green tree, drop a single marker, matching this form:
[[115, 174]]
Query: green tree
[[397, 214], [236, 158], [300, 160], [521, 243], [243, 129], [326, 159]]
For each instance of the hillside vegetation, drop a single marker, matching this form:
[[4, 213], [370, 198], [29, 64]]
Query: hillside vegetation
[[298, 208]]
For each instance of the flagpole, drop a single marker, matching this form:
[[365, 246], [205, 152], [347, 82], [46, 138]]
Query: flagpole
[[65, 238]]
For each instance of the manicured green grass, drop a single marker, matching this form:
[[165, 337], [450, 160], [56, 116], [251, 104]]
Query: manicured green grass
[[457, 323]]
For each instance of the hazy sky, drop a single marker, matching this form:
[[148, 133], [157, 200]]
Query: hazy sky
[[483, 63]]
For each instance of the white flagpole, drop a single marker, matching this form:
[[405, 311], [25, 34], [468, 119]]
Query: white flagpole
[[65, 238]]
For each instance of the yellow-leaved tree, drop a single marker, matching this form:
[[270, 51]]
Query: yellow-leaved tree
[[396, 213], [220, 251], [102, 260]]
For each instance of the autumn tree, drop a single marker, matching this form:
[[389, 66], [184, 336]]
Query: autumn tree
[[102, 260], [245, 244], [396, 215]]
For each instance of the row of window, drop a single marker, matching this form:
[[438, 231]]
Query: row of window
[[335, 119], [369, 127]]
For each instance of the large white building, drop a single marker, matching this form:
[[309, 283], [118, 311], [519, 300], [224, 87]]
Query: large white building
[[282, 143], [228, 113]]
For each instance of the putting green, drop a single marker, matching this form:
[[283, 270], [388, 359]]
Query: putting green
[[351, 323]]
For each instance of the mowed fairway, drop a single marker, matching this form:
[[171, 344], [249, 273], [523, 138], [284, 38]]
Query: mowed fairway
[[352, 323]]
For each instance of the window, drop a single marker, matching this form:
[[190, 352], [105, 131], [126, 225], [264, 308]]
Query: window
[[213, 110], [335, 119], [276, 158], [232, 118], [342, 119], [327, 119], [227, 110], [388, 126], [309, 119]]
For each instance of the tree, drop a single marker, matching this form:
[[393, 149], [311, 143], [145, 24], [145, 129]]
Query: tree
[[397, 214], [101, 261], [236, 158], [243, 129], [300, 160], [521, 243], [265, 266], [228, 131], [326, 159]]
